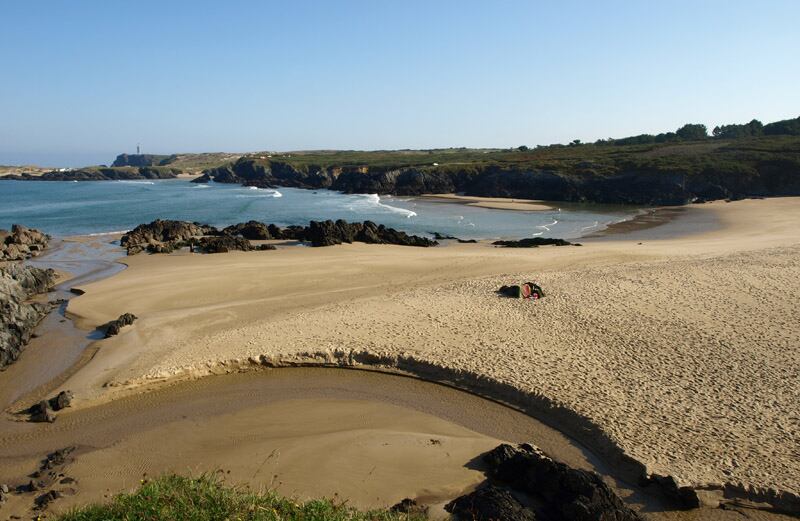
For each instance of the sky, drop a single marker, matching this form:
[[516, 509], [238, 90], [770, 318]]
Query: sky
[[82, 81]]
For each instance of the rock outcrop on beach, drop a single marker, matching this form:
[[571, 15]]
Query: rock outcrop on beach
[[328, 233], [533, 242], [164, 236], [558, 492], [21, 243], [44, 411], [18, 316], [101, 174], [114, 327]]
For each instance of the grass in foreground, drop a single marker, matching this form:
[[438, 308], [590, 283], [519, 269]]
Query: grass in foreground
[[207, 499]]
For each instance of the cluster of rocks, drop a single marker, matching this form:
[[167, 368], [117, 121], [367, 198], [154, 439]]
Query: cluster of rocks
[[21, 243], [19, 316], [48, 482], [43, 412], [113, 327], [441, 237], [328, 233], [526, 485], [534, 242], [164, 236]]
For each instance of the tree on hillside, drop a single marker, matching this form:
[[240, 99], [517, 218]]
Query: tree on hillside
[[754, 128], [789, 127], [692, 131], [522, 148]]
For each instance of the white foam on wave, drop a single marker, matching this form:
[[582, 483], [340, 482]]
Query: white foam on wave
[[375, 200], [202, 186], [262, 192], [100, 234], [596, 223], [547, 227], [131, 182]]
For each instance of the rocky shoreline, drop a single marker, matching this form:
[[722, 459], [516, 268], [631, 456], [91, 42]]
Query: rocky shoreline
[[18, 315], [165, 236]]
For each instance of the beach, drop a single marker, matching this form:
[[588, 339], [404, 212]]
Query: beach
[[682, 351], [496, 203], [674, 356]]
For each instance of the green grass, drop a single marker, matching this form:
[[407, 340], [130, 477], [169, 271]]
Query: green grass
[[206, 498]]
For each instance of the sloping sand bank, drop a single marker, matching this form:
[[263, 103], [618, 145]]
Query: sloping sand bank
[[682, 352]]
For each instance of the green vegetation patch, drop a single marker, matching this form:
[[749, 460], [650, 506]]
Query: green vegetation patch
[[206, 498]]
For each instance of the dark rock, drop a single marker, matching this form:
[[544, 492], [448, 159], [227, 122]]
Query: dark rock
[[265, 247], [19, 316], [684, 496], [251, 230], [223, 244], [57, 458], [115, 326], [42, 413], [163, 236], [489, 504], [61, 400], [467, 241], [45, 499], [532, 242], [328, 233], [566, 494], [409, 506], [21, 243], [439, 237]]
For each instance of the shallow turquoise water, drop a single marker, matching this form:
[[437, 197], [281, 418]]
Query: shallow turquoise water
[[70, 208]]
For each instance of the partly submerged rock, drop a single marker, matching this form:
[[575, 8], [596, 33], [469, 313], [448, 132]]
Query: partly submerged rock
[[533, 242]]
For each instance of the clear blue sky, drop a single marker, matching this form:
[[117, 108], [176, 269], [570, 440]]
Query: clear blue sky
[[84, 80]]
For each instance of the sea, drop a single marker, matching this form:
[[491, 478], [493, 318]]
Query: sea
[[67, 208]]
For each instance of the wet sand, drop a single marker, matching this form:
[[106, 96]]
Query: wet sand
[[369, 438]]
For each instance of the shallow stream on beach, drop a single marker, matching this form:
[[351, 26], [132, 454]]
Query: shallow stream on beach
[[64, 208]]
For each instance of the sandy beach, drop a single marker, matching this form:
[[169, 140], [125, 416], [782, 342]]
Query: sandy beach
[[677, 356], [682, 352], [496, 203]]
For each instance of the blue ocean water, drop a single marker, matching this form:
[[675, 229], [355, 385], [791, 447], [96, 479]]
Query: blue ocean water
[[81, 208]]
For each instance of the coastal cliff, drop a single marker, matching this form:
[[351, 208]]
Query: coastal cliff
[[644, 175], [100, 174]]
